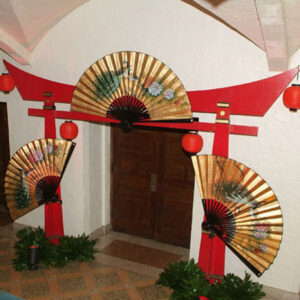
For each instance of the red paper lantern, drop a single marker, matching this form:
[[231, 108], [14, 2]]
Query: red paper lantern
[[291, 97], [192, 142], [7, 83], [68, 130]]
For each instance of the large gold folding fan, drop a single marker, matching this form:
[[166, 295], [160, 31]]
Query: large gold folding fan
[[131, 87], [241, 209], [34, 173]]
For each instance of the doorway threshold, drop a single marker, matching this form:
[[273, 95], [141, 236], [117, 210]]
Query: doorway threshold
[[138, 254]]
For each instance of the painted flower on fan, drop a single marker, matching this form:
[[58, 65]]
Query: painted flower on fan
[[56, 150], [48, 148], [155, 89], [256, 250], [261, 231], [36, 156], [263, 248], [169, 94]]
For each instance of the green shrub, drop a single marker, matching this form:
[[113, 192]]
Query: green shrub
[[185, 279], [188, 282], [51, 255], [234, 288], [28, 237], [75, 249]]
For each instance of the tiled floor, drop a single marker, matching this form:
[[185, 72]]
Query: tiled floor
[[114, 275]]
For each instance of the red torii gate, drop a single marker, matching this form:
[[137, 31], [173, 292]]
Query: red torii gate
[[251, 99]]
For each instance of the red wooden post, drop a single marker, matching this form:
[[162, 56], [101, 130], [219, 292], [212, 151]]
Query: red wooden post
[[212, 249], [53, 211]]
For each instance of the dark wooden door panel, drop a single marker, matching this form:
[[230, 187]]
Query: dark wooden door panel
[[133, 210], [133, 202], [138, 142], [132, 199], [152, 185], [176, 189], [175, 164], [174, 224], [137, 164]]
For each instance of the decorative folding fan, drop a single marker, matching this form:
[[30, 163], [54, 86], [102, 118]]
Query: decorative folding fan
[[241, 209], [34, 173], [131, 87]]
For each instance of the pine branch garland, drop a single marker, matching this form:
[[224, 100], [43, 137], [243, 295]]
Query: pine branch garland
[[188, 282], [71, 248]]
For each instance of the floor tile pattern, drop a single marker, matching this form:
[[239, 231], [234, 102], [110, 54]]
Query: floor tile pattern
[[106, 278]]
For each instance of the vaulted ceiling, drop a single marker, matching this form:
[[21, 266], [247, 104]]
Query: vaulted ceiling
[[273, 25], [23, 23]]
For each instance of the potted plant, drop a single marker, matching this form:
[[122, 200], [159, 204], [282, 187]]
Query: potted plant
[[188, 282]]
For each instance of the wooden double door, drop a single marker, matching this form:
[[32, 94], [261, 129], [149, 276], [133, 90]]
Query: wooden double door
[[152, 185]]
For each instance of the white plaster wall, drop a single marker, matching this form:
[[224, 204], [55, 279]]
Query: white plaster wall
[[204, 54]]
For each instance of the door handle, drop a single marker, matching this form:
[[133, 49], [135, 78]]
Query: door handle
[[153, 183]]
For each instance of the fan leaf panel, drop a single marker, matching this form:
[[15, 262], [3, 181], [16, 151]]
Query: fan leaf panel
[[127, 74], [251, 225], [34, 172]]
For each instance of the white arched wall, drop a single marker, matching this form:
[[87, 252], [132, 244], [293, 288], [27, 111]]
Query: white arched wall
[[204, 54]]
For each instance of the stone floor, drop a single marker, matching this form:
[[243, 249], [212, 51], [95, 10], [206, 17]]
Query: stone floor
[[126, 267]]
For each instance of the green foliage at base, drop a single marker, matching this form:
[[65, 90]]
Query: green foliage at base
[[188, 282], [185, 279], [28, 237], [233, 287], [51, 255], [75, 249]]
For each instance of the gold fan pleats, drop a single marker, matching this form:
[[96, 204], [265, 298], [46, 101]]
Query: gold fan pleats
[[131, 86], [34, 173], [241, 208]]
